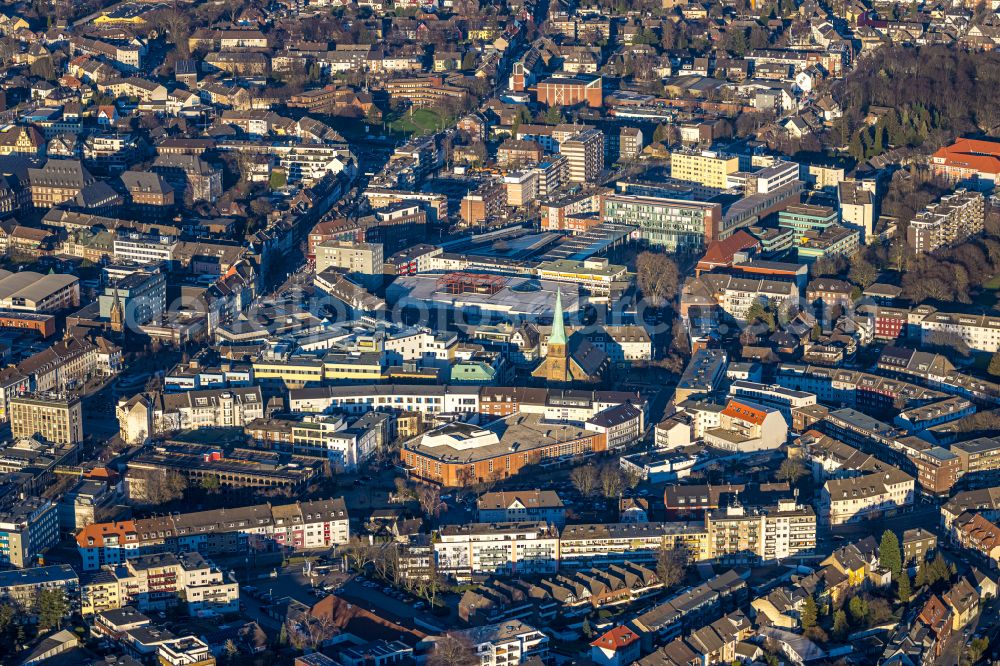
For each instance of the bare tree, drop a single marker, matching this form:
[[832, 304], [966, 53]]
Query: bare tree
[[384, 560], [584, 479], [319, 629], [403, 489], [453, 649], [791, 470], [429, 498], [310, 632], [160, 487], [632, 477], [360, 553], [671, 565], [657, 277], [612, 480]]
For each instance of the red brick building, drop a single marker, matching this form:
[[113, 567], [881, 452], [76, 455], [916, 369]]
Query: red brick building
[[571, 90]]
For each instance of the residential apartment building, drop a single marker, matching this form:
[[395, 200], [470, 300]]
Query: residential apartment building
[[921, 417], [188, 410], [980, 332], [265, 527], [857, 208], [485, 203], [191, 177], [691, 608], [917, 545], [62, 366], [710, 169], [981, 454], [948, 221], [736, 295], [56, 418], [424, 90], [873, 495], [159, 581], [27, 529], [364, 259], [751, 534], [511, 549], [23, 586], [603, 544], [584, 153], [978, 533], [507, 644], [542, 506]]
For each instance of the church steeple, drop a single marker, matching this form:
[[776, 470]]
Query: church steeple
[[117, 315], [558, 335]]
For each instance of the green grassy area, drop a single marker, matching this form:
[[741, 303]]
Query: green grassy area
[[420, 121], [988, 296]]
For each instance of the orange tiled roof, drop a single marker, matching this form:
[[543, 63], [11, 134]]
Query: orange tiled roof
[[98, 532], [983, 156], [616, 638], [738, 410]]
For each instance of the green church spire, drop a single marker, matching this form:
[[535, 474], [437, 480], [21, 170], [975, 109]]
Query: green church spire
[[558, 336]]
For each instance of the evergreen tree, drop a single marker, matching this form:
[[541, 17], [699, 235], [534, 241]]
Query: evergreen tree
[[736, 42], [888, 553], [758, 311], [587, 630], [660, 133], [857, 148], [903, 588], [994, 367], [878, 146], [921, 578], [858, 608], [840, 626], [809, 613], [759, 38], [52, 608]]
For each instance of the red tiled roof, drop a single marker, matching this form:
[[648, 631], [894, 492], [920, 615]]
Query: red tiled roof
[[720, 252], [983, 156], [98, 531], [616, 638]]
